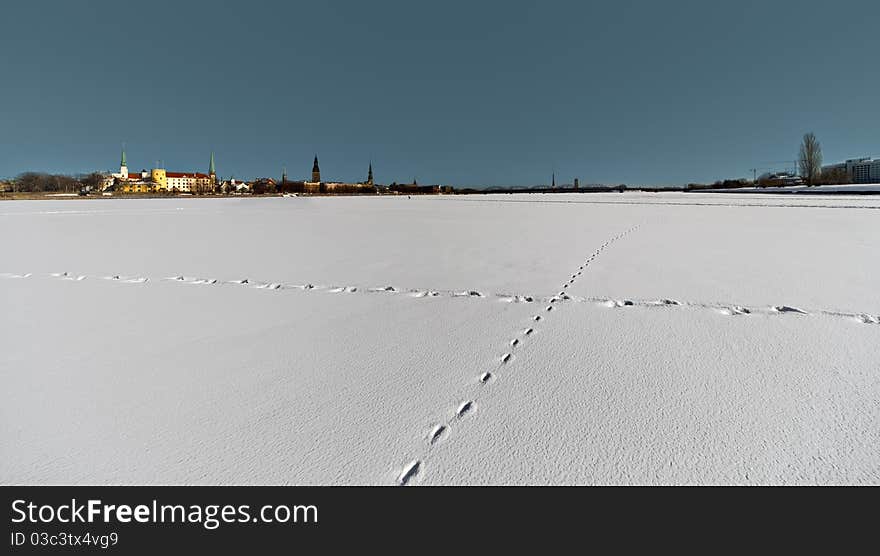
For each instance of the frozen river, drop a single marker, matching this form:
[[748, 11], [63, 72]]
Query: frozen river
[[628, 338]]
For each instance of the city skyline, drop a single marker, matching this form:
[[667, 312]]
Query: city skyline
[[464, 95]]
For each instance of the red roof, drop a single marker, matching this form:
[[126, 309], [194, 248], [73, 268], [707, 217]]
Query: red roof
[[186, 175]]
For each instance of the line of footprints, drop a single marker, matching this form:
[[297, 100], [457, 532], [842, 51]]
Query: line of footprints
[[439, 431]]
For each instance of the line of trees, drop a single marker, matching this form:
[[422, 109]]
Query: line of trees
[[41, 182]]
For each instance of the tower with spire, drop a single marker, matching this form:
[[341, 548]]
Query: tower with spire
[[316, 171], [553, 182], [211, 173], [370, 174], [123, 166]]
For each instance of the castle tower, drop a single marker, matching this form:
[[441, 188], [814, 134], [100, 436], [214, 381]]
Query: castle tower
[[316, 172], [211, 173], [370, 174], [123, 166]]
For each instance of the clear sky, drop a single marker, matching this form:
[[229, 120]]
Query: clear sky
[[452, 92]]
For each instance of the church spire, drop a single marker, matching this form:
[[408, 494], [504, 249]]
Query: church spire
[[370, 174], [211, 167], [122, 163], [316, 171]]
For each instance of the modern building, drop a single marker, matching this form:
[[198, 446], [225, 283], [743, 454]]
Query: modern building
[[857, 170]]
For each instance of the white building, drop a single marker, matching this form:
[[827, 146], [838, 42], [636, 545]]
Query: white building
[[858, 170]]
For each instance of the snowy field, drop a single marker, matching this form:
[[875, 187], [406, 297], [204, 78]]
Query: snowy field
[[612, 338]]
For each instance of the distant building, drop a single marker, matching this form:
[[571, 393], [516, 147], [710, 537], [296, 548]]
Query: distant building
[[159, 180], [316, 171], [316, 186], [856, 170], [776, 179]]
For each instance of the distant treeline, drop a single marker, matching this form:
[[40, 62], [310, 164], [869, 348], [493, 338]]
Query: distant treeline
[[40, 182]]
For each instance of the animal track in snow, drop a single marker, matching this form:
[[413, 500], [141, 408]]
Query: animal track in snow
[[270, 286], [414, 467], [464, 408], [735, 310], [666, 302], [13, 275], [788, 309], [390, 289], [470, 293], [125, 279], [437, 433], [409, 472]]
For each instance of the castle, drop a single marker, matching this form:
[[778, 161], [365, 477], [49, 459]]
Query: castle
[[160, 180]]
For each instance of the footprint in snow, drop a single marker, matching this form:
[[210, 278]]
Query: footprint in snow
[[409, 472], [506, 358], [788, 309], [436, 433], [470, 293], [464, 409], [485, 377], [733, 311]]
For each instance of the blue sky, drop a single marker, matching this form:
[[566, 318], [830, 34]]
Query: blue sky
[[464, 93]]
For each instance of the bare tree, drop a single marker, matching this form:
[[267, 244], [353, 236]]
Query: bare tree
[[810, 158]]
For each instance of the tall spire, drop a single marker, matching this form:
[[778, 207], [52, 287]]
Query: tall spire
[[370, 174], [316, 172], [211, 167], [554, 180], [122, 163]]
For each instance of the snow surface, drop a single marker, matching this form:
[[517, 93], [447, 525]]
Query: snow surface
[[635, 338], [844, 188]]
